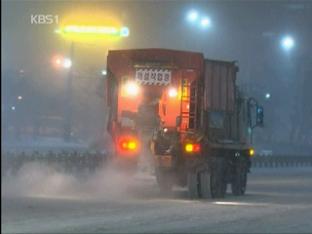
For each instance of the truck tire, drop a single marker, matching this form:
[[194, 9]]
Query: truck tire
[[192, 185], [164, 180], [217, 180], [204, 184], [239, 181]]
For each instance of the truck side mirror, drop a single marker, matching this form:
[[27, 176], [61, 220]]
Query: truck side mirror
[[259, 116], [254, 111]]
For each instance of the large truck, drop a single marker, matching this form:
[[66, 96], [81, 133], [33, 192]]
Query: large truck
[[185, 115]]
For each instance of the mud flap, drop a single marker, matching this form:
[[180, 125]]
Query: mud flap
[[192, 185], [239, 180], [204, 184], [218, 184]]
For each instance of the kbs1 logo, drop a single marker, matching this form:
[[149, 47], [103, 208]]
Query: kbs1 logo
[[44, 19]]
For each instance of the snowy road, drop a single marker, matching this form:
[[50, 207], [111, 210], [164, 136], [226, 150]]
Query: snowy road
[[277, 201]]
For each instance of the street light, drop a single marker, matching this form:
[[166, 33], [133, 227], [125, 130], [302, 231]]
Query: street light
[[201, 20], [267, 96], [104, 72], [67, 63], [61, 62], [287, 43], [58, 61], [82, 32], [192, 16], [124, 32], [205, 22]]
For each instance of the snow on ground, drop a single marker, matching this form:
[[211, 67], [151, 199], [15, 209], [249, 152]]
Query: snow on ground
[[40, 200]]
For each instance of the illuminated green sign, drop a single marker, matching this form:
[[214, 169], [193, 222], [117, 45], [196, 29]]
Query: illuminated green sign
[[94, 30]]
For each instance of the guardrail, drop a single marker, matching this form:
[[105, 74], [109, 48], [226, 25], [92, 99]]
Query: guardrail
[[281, 161], [69, 161], [75, 161]]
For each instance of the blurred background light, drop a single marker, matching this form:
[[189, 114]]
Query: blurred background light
[[192, 16]]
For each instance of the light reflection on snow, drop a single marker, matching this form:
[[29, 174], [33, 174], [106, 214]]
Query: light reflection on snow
[[232, 203]]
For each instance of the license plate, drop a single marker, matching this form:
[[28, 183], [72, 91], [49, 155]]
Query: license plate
[[153, 76]]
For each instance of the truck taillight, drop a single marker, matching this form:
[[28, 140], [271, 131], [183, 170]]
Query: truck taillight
[[128, 145], [192, 148], [251, 152]]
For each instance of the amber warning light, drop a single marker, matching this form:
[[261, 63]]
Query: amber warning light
[[192, 148], [251, 152]]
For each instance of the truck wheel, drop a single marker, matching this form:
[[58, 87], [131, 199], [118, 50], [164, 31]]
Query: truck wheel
[[217, 180], [204, 184], [239, 181], [164, 180], [192, 185]]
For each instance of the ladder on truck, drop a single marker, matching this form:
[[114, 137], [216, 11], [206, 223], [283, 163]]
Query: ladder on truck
[[188, 105]]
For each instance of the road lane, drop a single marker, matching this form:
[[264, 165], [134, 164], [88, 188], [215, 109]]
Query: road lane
[[277, 201]]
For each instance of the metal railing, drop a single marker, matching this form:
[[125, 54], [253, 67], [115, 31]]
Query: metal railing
[[69, 161], [281, 161], [75, 161]]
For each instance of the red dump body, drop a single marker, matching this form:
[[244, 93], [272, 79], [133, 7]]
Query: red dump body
[[215, 83], [145, 67], [124, 62]]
